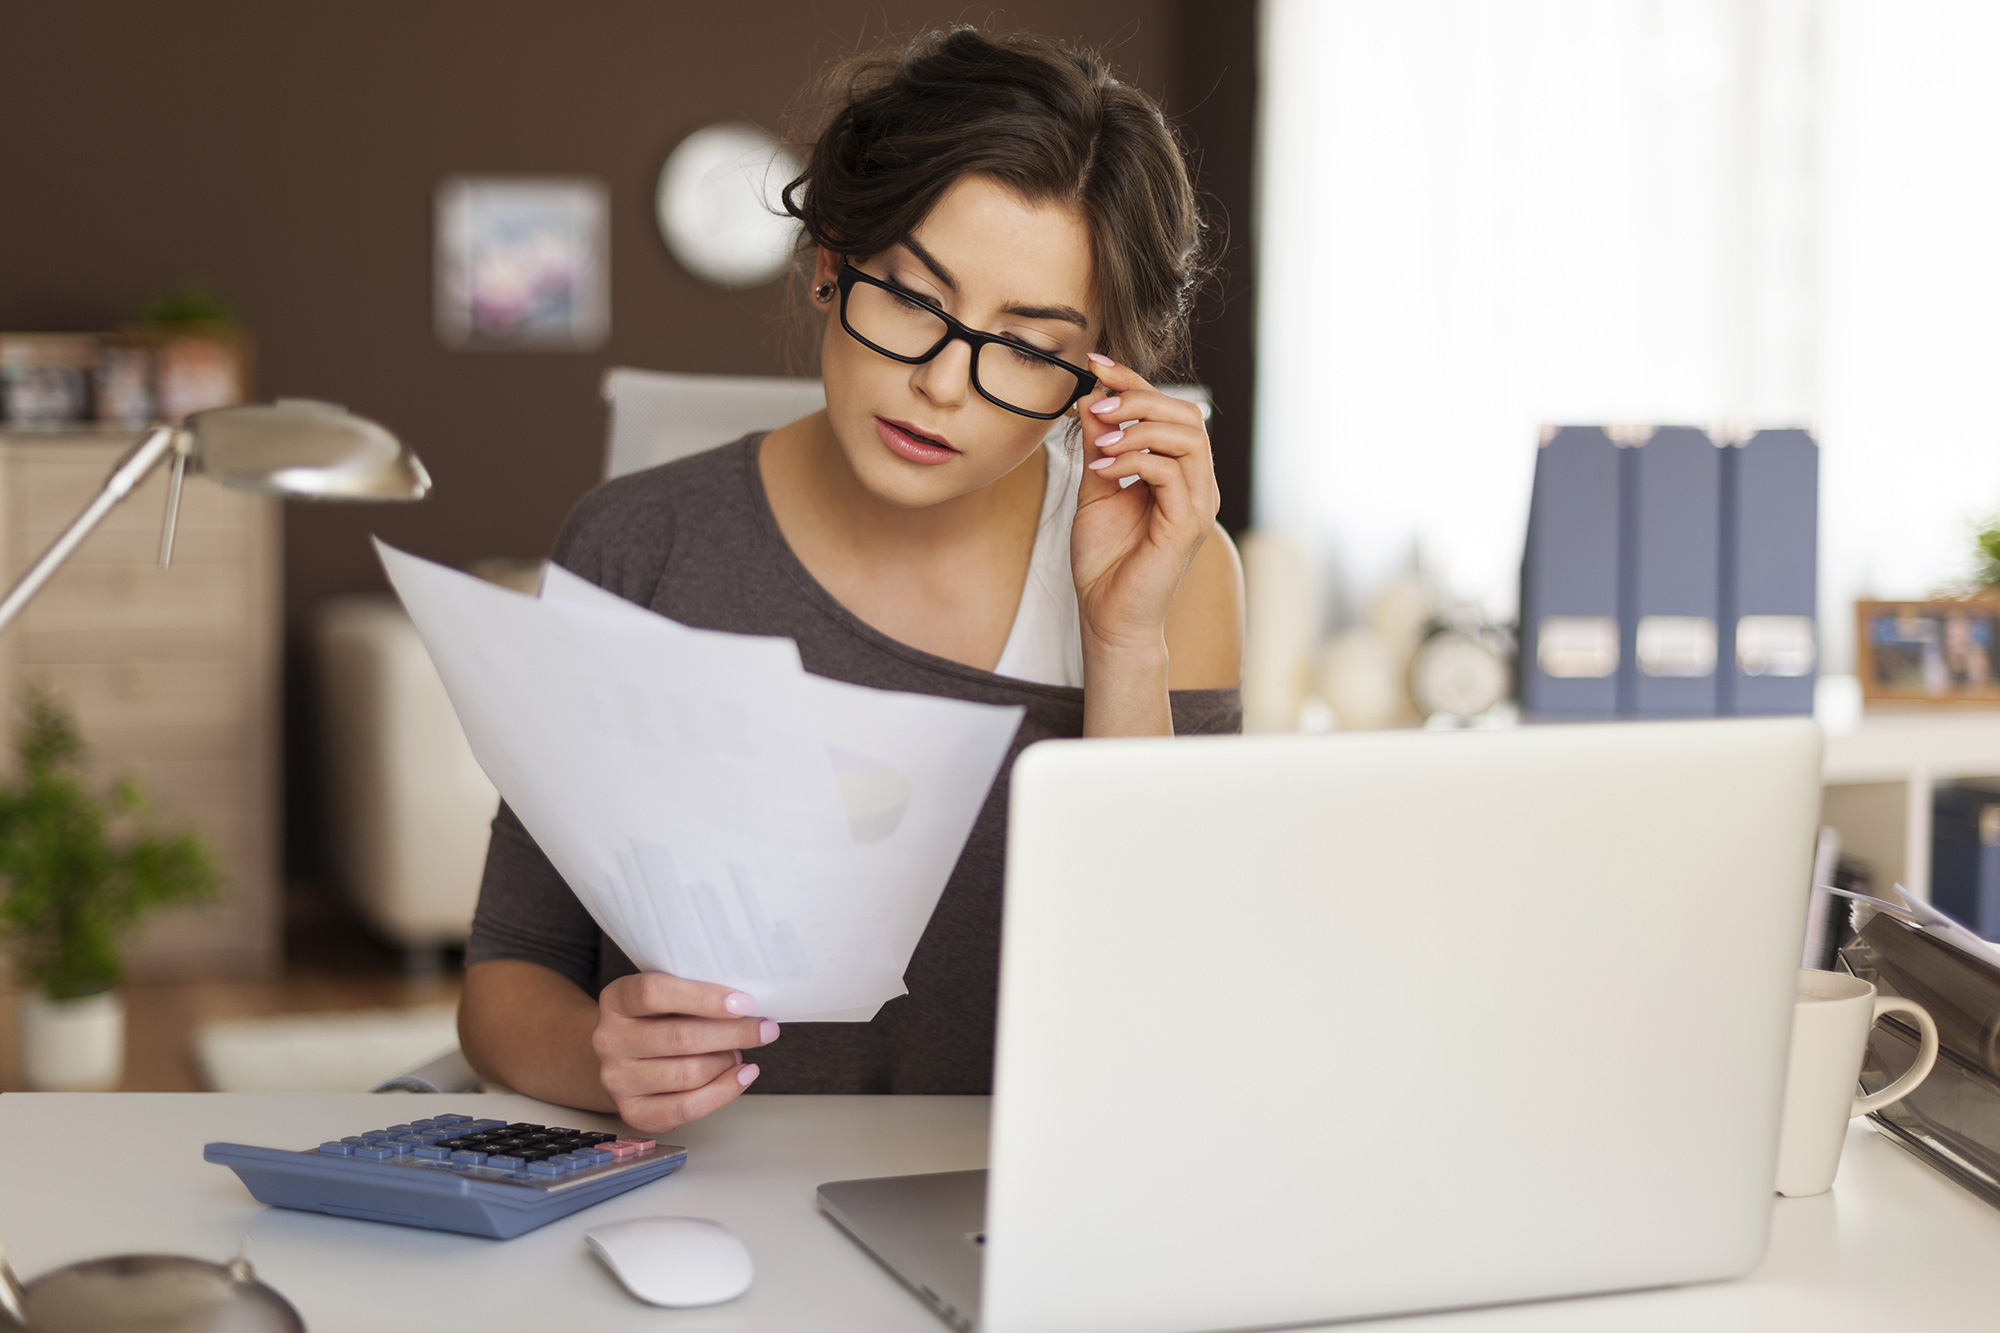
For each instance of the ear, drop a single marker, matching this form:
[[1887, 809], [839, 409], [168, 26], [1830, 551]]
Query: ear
[[826, 267]]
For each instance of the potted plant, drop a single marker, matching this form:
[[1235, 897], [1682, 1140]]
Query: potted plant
[[75, 873]]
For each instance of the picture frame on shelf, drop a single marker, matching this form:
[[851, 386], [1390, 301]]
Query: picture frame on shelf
[[1939, 652]]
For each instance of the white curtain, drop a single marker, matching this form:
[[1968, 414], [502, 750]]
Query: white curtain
[[1476, 218]]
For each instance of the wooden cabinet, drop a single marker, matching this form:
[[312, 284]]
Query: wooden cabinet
[[172, 674]]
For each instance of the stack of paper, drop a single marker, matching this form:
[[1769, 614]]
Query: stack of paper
[[723, 815]]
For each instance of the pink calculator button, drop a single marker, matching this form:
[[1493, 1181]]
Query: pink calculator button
[[621, 1148]]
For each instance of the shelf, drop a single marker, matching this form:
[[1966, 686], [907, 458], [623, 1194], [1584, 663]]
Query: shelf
[[1880, 769]]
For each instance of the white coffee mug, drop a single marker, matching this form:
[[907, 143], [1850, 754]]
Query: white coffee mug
[[1830, 1022]]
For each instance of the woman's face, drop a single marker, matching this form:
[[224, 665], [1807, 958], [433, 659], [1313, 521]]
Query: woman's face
[[919, 435]]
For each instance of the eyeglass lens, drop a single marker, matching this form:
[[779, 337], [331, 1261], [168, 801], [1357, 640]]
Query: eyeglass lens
[[906, 327]]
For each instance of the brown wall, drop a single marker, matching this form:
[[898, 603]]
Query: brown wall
[[286, 154]]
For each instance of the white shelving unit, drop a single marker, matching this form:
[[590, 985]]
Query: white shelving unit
[[1879, 771]]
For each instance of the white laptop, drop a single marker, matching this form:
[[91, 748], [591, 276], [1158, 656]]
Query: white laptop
[[1308, 1028]]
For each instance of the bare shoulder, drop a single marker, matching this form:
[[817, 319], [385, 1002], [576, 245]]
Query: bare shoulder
[[1205, 627]]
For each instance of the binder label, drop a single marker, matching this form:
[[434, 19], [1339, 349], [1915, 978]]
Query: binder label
[[1775, 645], [1579, 647], [1676, 646]]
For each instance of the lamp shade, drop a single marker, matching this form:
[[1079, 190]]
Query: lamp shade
[[305, 449]]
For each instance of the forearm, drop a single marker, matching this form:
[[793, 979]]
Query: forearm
[[1125, 690], [530, 1028]]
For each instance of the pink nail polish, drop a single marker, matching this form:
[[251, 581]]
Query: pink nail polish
[[1102, 464], [767, 1031], [1102, 360], [740, 1004], [1107, 440], [1108, 405], [747, 1075]]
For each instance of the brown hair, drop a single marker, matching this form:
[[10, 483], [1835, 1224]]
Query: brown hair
[[897, 128]]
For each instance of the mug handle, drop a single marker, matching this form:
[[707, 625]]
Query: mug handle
[[1918, 1071]]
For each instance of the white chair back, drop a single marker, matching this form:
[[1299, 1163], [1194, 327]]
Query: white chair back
[[658, 416]]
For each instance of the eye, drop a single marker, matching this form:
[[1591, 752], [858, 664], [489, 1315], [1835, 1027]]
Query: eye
[[1026, 355], [911, 299]]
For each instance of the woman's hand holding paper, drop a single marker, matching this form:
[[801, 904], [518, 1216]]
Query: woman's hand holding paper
[[670, 1050]]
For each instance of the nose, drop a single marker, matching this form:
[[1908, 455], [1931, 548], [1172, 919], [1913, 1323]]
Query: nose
[[945, 379]]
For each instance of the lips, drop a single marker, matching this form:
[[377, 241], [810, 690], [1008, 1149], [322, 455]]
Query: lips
[[907, 443]]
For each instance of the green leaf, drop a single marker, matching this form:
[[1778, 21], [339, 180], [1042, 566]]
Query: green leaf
[[70, 886]]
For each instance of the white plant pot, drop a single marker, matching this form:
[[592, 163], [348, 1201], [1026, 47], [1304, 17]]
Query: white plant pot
[[72, 1045]]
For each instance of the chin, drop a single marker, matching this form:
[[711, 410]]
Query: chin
[[910, 485]]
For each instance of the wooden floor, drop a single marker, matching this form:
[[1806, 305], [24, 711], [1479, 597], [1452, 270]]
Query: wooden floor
[[332, 965]]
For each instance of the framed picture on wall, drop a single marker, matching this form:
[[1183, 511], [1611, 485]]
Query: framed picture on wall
[[523, 263], [1937, 652]]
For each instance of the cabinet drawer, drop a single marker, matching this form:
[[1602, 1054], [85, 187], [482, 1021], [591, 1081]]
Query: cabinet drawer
[[140, 547], [141, 596], [53, 492], [108, 696]]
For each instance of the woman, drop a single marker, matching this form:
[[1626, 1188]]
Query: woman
[[1002, 237]]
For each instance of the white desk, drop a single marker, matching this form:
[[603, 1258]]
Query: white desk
[[1894, 1246]]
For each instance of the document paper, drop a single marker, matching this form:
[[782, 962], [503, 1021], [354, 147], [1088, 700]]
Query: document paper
[[723, 815]]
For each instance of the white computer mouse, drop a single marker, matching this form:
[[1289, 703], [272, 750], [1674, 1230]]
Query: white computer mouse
[[674, 1261]]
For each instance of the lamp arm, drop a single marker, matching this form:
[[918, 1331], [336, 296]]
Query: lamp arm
[[134, 468]]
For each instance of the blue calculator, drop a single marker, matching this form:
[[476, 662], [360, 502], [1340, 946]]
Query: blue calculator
[[452, 1173]]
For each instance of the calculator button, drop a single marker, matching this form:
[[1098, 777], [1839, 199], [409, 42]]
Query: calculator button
[[468, 1157], [505, 1162], [337, 1149], [526, 1128], [431, 1153], [373, 1154], [546, 1169], [597, 1156], [397, 1129]]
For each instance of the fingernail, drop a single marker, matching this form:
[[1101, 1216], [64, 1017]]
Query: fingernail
[[1102, 464], [738, 1055], [767, 1032], [1107, 440], [746, 1076], [1106, 405], [740, 1004], [1102, 360]]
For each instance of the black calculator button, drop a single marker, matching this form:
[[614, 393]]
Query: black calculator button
[[520, 1126]]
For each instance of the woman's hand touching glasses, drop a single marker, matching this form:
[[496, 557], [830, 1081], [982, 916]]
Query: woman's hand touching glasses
[[1132, 543]]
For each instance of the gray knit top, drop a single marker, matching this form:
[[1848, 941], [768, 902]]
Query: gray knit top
[[696, 540]]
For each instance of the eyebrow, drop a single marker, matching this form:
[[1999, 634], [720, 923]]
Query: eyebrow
[[1066, 314]]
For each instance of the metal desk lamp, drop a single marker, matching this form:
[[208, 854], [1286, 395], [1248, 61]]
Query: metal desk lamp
[[293, 447]]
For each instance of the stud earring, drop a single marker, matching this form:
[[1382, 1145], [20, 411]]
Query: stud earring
[[823, 293]]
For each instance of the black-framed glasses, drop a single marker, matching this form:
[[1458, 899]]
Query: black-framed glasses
[[889, 320]]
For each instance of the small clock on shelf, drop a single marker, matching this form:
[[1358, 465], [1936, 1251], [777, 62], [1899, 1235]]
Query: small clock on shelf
[[1459, 672]]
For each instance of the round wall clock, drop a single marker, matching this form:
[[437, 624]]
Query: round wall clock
[[718, 205]]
